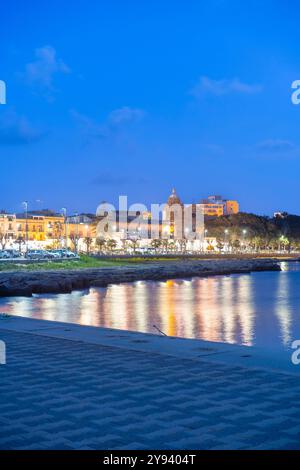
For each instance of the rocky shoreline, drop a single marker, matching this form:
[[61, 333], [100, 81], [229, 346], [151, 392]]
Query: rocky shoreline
[[18, 283]]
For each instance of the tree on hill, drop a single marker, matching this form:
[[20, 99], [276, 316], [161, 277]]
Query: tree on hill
[[258, 232]]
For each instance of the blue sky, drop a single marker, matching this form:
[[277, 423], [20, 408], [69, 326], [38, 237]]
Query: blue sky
[[129, 97]]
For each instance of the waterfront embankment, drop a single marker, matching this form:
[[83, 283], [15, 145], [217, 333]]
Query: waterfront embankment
[[26, 283]]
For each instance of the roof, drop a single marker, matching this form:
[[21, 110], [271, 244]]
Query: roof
[[173, 198]]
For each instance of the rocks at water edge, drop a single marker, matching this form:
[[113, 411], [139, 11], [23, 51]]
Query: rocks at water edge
[[65, 281]]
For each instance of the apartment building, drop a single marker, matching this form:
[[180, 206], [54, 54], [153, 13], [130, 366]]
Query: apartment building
[[216, 206], [7, 225], [39, 226]]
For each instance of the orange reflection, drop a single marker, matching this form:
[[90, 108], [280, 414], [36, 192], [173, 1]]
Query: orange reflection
[[213, 308]]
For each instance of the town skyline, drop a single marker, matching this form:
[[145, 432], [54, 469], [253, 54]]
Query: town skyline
[[39, 206], [213, 205]]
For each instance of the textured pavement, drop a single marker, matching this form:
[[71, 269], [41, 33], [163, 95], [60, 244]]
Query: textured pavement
[[63, 394]]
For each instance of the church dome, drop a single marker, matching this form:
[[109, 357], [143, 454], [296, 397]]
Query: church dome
[[173, 198]]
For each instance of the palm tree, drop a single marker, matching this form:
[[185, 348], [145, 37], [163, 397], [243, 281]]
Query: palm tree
[[20, 241], [111, 244], [74, 240], [57, 234], [3, 240], [165, 244], [220, 244], [256, 242], [182, 244], [156, 244], [172, 245], [284, 241], [133, 243], [100, 243], [235, 244], [88, 243]]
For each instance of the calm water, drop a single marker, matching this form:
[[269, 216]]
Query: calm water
[[261, 309]]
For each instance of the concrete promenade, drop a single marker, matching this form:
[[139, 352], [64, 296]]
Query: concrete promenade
[[73, 387]]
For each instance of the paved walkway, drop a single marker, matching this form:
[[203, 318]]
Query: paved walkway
[[62, 394]]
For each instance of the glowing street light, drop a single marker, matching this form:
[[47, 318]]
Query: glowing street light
[[25, 206], [244, 232], [64, 214], [225, 236]]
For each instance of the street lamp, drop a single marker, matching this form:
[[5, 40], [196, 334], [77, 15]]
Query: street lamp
[[25, 205], [244, 236], [225, 236], [64, 213], [77, 232], [87, 238]]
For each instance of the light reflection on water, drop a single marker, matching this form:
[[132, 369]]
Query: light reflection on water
[[260, 309]]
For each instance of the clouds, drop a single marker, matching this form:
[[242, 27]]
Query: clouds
[[90, 127], [209, 86], [17, 130], [116, 120], [41, 72], [126, 114], [277, 148]]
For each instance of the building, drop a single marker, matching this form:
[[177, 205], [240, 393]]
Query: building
[[45, 229], [280, 215], [231, 207], [80, 230], [216, 206], [173, 217], [212, 209], [83, 232], [39, 226], [7, 228], [139, 228]]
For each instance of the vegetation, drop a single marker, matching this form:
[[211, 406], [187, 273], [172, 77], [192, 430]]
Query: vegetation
[[4, 238], [84, 262], [256, 232]]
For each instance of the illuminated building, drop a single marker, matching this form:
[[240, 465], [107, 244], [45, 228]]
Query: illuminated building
[[7, 226], [39, 226], [216, 206], [129, 229]]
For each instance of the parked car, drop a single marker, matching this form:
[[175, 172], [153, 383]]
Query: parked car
[[14, 253], [9, 254], [39, 254], [70, 254], [56, 253], [4, 254], [63, 253]]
